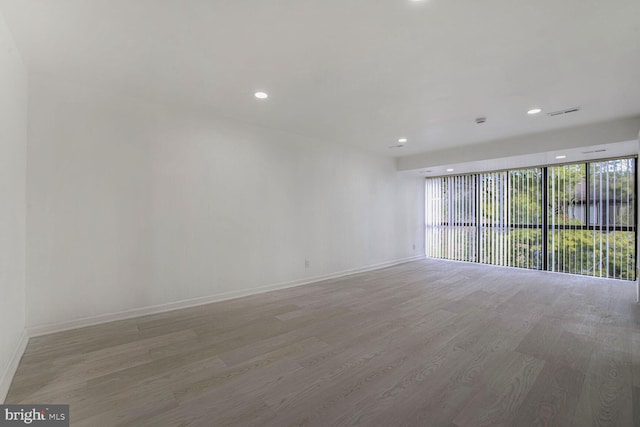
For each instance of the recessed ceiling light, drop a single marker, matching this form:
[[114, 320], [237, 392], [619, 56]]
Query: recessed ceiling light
[[261, 95], [534, 111], [561, 157], [449, 170], [402, 140]]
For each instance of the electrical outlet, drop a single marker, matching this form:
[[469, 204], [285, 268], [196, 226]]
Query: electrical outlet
[[306, 263], [414, 246]]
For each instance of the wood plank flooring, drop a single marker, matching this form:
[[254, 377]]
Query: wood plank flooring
[[427, 343]]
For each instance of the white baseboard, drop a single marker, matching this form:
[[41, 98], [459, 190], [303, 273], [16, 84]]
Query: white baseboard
[[50, 328], [12, 367]]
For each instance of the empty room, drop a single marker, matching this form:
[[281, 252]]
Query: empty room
[[319, 213]]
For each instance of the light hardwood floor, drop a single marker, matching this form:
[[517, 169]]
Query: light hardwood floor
[[427, 343]]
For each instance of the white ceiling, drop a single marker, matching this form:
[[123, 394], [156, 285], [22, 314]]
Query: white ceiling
[[359, 72]]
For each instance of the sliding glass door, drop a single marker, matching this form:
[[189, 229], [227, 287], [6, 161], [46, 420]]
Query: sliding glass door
[[576, 218]]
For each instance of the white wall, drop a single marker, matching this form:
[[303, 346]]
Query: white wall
[[134, 205], [13, 140]]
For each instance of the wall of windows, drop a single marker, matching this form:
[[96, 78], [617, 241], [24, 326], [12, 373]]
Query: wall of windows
[[576, 218]]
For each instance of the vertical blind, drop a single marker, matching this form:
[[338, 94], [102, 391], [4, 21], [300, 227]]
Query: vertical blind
[[450, 218], [592, 219], [525, 218], [499, 218], [494, 202]]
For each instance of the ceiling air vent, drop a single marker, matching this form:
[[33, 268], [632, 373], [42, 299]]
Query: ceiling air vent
[[565, 111], [595, 151]]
